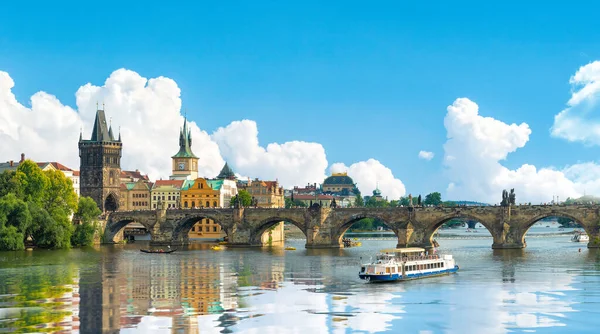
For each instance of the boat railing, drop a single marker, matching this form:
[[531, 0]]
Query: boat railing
[[419, 257]]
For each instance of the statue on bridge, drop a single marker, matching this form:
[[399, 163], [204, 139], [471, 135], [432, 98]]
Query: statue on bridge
[[333, 204], [419, 200], [410, 203], [508, 199]]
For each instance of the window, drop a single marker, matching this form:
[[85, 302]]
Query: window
[[193, 204], [207, 204], [214, 229], [185, 204], [215, 204]]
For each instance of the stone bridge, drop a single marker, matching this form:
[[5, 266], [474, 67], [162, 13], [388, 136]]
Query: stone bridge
[[324, 227]]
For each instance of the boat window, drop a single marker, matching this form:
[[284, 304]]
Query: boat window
[[387, 270], [442, 264], [362, 269]]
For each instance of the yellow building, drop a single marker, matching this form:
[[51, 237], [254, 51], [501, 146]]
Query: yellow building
[[135, 195], [166, 192], [199, 193], [267, 194]]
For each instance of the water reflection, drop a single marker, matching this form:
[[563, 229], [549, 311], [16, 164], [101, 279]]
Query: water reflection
[[111, 289]]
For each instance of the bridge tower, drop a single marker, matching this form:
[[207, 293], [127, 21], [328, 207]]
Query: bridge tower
[[100, 165]]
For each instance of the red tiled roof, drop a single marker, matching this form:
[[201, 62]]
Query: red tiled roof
[[75, 173], [56, 165], [174, 183], [133, 174], [309, 197]]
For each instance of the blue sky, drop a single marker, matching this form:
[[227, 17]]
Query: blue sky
[[366, 80]]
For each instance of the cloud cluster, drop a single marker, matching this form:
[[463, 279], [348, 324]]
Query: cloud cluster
[[147, 113], [426, 155], [580, 121], [371, 174], [475, 147]]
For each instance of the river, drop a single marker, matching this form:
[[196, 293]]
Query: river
[[549, 287]]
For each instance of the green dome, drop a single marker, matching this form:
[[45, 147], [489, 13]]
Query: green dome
[[339, 179]]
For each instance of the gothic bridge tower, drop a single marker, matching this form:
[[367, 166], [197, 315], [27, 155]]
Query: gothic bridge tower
[[100, 165]]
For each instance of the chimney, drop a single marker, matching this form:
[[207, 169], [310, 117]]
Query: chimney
[[22, 157], [11, 163]]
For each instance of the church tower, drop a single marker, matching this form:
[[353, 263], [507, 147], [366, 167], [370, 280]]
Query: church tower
[[185, 163], [100, 165]]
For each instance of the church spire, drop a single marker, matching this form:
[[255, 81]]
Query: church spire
[[185, 143]]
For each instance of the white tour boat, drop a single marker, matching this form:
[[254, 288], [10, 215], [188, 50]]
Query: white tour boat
[[406, 263], [580, 237]]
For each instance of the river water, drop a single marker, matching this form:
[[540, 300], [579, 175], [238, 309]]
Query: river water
[[549, 287]]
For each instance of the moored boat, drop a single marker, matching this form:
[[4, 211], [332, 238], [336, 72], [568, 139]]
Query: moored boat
[[580, 237], [158, 251], [402, 264]]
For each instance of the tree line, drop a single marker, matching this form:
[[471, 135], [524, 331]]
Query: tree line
[[36, 209]]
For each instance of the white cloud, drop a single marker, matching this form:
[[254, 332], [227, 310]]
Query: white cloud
[[368, 174], [147, 111], [477, 144], [580, 121], [426, 155], [293, 163]]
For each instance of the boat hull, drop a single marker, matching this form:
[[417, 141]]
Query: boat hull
[[407, 277]]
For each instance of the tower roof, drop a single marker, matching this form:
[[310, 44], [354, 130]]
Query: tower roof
[[226, 173], [101, 132], [185, 143]]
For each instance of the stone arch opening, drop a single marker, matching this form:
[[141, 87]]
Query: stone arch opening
[[127, 229], [201, 227], [467, 222], [370, 223], [271, 231], [555, 218], [111, 203]]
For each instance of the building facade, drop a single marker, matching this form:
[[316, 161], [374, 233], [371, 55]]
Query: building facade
[[167, 193], [100, 165], [339, 183], [199, 193], [184, 163], [267, 194], [135, 196]]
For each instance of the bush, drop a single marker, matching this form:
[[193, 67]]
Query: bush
[[83, 235], [11, 239]]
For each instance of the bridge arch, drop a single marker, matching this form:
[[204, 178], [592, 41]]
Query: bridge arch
[[114, 226], [539, 217], [338, 235], [431, 229], [184, 226], [266, 224]]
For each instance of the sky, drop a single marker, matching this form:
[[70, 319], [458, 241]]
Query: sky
[[464, 98]]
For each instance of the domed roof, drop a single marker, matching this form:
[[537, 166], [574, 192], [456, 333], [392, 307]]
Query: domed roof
[[339, 178]]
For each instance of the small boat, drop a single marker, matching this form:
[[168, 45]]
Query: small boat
[[290, 248], [402, 264], [223, 242], [158, 251], [216, 248], [580, 237], [351, 243]]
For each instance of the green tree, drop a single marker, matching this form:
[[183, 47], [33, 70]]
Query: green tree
[[295, 203], [14, 212], [87, 214], [11, 239], [373, 202], [9, 184], [358, 200], [434, 198], [244, 197], [47, 232], [59, 197], [32, 181], [394, 203]]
